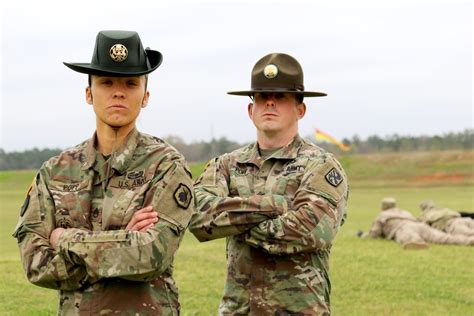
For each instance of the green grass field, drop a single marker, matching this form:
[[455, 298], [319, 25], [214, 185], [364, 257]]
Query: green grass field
[[370, 277]]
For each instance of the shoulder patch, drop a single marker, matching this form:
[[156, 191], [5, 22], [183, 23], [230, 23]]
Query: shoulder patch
[[25, 205], [182, 195], [27, 197], [333, 177], [327, 179]]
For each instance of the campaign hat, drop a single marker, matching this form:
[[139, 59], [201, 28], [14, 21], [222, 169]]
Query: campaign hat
[[278, 72], [119, 54]]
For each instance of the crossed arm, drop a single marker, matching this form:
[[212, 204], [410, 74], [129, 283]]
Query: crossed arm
[[141, 221], [274, 223], [69, 259]]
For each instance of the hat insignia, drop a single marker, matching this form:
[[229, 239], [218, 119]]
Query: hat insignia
[[270, 71], [118, 53]]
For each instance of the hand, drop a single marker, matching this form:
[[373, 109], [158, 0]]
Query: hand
[[143, 219], [55, 235]]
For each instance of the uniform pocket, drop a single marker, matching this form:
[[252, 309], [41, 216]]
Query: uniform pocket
[[119, 207], [72, 203], [240, 186]]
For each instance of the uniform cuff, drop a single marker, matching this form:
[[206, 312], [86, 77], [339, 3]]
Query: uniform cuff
[[63, 243]]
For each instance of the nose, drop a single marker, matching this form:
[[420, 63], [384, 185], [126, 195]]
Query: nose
[[270, 101], [118, 93], [119, 90]]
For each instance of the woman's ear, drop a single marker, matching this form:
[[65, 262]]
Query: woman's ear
[[145, 99], [89, 95]]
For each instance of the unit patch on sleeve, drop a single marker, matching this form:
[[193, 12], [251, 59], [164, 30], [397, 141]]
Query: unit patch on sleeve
[[333, 177], [27, 198], [182, 196]]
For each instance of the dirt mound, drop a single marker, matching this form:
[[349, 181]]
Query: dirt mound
[[442, 177]]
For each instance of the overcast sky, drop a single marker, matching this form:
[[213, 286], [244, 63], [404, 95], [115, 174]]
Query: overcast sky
[[388, 67]]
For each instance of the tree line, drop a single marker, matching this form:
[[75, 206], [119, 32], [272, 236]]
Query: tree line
[[396, 143], [203, 151]]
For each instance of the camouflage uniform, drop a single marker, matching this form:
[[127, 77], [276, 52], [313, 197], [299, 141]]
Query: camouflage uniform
[[100, 268], [405, 229], [448, 221], [280, 216]]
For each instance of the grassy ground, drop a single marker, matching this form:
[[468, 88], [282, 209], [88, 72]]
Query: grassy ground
[[370, 277]]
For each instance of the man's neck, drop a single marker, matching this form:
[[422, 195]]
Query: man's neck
[[109, 138], [275, 140]]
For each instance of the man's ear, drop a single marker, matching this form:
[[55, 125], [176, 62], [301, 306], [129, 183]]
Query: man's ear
[[89, 95], [145, 99], [250, 110], [301, 108]]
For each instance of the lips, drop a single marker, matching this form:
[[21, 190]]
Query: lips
[[118, 106], [269, 115]]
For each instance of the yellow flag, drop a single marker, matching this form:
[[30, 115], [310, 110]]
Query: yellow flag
[[321, 136]]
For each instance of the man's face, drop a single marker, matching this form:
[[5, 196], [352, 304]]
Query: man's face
[[276, 112], [117, 100]]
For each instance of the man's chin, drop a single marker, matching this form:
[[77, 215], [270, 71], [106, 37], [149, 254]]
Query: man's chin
[[270, 128]]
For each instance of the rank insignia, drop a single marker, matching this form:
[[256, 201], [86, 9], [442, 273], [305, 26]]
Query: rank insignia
[[333, 177], [64, 223], [182, 196], [118, 53], [270, 71]]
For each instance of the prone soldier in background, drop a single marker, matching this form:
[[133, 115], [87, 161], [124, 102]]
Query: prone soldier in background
[[405, 229], [445, 219], [102, 221]]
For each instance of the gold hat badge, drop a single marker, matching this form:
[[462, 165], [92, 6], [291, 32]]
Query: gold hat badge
[[270, 71], [118, 53]]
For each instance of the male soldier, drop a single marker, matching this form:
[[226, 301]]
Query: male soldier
[[102, 221], [446, 219], [405, 229], [279, 202]]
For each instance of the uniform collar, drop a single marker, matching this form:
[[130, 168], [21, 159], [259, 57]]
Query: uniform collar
[[121, 158], [251, 153]]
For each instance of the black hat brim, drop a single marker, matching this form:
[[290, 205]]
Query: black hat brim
[[154, 57], [304, 93]]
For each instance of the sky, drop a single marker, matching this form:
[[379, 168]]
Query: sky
[[388, 67]]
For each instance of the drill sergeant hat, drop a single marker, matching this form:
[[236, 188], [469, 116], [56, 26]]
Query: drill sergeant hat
[[277, 72], [119, 54]]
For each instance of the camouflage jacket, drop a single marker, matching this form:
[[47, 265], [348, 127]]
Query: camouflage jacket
[[100, 268], [389, 221], [438, 217], [280, 216]]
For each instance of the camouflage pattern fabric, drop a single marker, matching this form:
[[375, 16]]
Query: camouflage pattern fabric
[[416, 232], [389, 221], [280, 216], [448, 221], [100, 268], [404, 228], [438, 217], [460, 226]]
